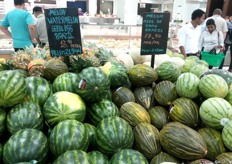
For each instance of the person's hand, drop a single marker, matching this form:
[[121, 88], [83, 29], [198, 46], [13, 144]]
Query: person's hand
[[34, 41]]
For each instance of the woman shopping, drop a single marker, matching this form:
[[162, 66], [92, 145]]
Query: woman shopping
[[211, 40], [228, 41]]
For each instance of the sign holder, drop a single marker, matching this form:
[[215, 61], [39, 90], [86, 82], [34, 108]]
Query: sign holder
[[154, 34]]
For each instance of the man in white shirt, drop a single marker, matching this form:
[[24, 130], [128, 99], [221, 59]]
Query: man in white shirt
[[188, 35], [41, 30], [220, 22]]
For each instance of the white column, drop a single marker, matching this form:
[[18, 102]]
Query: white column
[[179, 9], [9, 5], [61, 3], [92, 7], [130, 12]]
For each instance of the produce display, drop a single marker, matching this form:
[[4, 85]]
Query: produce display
[[104, 107]]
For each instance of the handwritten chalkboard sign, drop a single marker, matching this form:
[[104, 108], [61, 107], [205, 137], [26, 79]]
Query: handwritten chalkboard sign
[[154, 33], [63, 30]]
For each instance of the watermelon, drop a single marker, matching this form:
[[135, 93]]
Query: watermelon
[[214, 142], [173, 139], [26, 145], [227, 135], [73, 157], [225, 158], [24, 115], [64, 105], [98, 158], [189, 63], [185, 111], [159, 116], [65, 82], [100, 110], [198, 70], [114, 134], [117, 73], [165, 93], [12, 88], [229, 96], [53, 68], [38, 89], [215, 112], [122, 95], [92, 135], [164, 157], [134, 114], [144, 96], [142, 75], [2, 121], [1, 152], [187, 85], [201, 161], [213, 86], [93, 85], [168, 71], [68, 135], [147, 140], [128, 156]]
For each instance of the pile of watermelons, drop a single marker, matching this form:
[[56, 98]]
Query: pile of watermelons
[[110, 114]]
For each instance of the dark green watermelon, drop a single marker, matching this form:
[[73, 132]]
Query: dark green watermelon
[[24, 115], [128, 156], [102, 109], [73, 157], [26, 145], [38, 89], [68, 135], [114, 134], [2, 121], [92, 136], [98, 158]]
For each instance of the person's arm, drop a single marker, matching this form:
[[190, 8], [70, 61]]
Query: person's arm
[[32, 31], [220, 40], [181, 40], [182, 51], [5, 31]]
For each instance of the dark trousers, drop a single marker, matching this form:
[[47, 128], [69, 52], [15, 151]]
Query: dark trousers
[[17, 49]]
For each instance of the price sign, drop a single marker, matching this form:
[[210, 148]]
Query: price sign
[[154, 33], [63, 30]]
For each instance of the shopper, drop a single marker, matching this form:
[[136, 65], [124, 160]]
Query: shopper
[[22, 26], [41, 30], [211, 39], [188, 35], [80, 13], [219, 21], [228, 41]]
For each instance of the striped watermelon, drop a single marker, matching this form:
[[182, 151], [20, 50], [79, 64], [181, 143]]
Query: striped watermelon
[[199, 69], [168, 71], [147, 140], [68, 135], [213, 140], [12, 88], [185, 111], [24, 115], [93, 85], [159, 116], [73, 157], [144, 96], [65, 82], [38, 89], [227, 135], [128, 156], [64, 105], [98, 158], [2, 121], [213, 86], [187, 85], [114, 134], [224, 158], [134, 114], [142, 75], [229, 96], [92, 136], [182, 141], [100, 110], [215, 112], [164, 157], [117, 73], [26, 145], [165, 93]]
